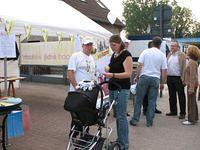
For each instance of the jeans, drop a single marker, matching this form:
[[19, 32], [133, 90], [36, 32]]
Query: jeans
[[149, 85], [121, 118]]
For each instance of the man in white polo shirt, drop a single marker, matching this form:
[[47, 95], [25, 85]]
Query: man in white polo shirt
[[81, 67], [150, 65]]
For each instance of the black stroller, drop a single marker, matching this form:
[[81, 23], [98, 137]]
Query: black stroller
[[90, 110]]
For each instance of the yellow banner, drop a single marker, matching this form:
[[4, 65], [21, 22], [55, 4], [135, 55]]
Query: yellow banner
[[28, 29], [9, 26], [59, 34], [102, 53], [45, 34]]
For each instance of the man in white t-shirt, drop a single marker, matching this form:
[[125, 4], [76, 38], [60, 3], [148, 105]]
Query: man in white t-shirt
[[81, 67], [150, 65]]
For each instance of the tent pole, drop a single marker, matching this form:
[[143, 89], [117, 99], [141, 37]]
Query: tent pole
[[19, 42], [5, 77]]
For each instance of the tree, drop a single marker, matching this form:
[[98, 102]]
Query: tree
[[138, 16], [196, 29], [181, 21]]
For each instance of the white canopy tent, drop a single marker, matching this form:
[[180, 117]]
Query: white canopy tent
[[53, 15]]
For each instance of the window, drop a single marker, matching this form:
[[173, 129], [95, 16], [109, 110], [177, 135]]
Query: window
[[100, 4], [84, 1]]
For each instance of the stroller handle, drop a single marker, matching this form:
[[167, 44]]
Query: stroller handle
[[113, 83]]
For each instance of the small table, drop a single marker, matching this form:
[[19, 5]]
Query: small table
[[11, 80], [6, 106]]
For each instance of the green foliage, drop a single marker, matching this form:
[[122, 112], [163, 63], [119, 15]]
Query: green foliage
[[181, 21], [138, 16], [196, 29]]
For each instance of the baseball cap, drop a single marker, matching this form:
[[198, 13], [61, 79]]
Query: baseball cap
[[125, 40], [87, 41]]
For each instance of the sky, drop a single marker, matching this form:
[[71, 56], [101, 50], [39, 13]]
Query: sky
[[116, 7]]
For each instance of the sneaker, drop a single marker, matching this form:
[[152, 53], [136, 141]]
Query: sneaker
[[132, 123], [144, 113], [158, 111], [127, 114], [171, 114], [187, 123], [181, 117], [114, 115], [149, 125]]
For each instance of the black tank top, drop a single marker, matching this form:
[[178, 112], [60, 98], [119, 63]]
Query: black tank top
[[116, 66]]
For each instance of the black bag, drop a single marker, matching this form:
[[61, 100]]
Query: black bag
[[83, 103], [81, 100]]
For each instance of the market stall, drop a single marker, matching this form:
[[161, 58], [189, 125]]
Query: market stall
[[45, 18]]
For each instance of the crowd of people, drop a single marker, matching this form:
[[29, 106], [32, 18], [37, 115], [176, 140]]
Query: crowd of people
[[178, 70]]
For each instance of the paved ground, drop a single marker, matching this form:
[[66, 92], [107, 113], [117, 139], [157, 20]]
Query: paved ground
[[50, 124]]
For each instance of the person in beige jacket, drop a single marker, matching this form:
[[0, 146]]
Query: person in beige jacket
[[176, 61], [199, 82], [191, 81]]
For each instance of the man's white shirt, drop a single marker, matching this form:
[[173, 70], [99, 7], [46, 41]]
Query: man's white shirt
[[153, 60], [83, 67], [173, 65]]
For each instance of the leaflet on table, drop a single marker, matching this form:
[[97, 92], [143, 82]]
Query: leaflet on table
[[5, 104], [12, 100]]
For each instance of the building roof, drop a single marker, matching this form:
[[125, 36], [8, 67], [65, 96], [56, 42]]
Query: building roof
[[94, 9]]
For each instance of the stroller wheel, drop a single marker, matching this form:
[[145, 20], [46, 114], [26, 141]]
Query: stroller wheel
[[114, 146]]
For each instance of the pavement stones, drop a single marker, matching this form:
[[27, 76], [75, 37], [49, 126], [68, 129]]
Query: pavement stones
[[50, 123]]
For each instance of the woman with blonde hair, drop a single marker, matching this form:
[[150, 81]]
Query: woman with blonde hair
[[191, 81]]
